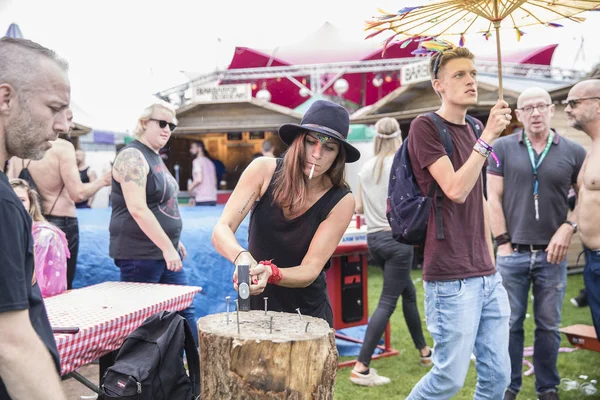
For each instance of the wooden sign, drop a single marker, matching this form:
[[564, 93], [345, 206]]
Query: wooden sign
[[223, 94]]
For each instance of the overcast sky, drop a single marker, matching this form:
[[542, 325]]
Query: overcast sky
[[122, 51]]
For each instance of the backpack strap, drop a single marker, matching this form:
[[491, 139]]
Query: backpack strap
[[439, 194], [442, 131], [474, 125], [56, 200], [193, 359]]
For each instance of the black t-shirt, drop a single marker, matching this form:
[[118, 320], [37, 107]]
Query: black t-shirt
[[17, 269], [286, 241], [127, 240]]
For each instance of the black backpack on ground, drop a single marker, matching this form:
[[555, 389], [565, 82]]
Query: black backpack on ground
[[149, 365], [407, 208]]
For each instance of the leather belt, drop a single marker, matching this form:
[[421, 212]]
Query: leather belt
[[523, 248]]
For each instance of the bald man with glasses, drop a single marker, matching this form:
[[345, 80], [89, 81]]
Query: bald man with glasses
[[583, 112]]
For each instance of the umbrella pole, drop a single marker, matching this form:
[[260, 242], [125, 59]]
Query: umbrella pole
[[499, 53]]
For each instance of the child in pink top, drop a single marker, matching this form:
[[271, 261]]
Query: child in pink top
[[50, 244]]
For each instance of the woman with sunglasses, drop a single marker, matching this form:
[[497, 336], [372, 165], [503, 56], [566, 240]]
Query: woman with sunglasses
[[301, 207], [145, 224]]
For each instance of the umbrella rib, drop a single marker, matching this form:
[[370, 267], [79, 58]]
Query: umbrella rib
[[432, 13], [513, 21], [548, 9], [510, 7], [399, 21], [542, 5], [423, 21], [486, 11], [471, 24], [450, 26], [482, 11], [418, 13]]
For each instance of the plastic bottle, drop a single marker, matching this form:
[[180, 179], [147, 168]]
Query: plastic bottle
[[589, 388]]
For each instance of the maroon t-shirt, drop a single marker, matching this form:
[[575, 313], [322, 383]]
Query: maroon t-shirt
[[464, 252]]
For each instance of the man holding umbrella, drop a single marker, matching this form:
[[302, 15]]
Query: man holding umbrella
[[466, 306]]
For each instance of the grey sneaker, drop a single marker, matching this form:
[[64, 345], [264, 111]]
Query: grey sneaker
[[370, 379]]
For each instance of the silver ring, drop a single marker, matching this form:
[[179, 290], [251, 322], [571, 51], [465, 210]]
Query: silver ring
[[507, 116]]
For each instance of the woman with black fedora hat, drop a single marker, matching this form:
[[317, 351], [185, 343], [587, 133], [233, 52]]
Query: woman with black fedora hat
[[301, 207]]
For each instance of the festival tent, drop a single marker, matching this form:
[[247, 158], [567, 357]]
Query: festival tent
[[328, 44]]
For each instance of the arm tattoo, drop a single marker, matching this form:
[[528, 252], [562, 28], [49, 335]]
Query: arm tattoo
[[247, 201], [131, 167]]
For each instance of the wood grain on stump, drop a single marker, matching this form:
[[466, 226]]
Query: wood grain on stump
[[289, 363]]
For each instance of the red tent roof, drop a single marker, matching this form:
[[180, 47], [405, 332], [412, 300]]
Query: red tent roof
[[328, 45], [541, 55]]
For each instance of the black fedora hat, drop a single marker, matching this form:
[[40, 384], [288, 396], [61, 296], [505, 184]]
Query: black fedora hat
[[327, 118]]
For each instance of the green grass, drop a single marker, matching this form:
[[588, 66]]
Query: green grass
[[405, 371]]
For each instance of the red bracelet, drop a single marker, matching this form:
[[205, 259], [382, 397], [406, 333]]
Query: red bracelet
[[275, 272]]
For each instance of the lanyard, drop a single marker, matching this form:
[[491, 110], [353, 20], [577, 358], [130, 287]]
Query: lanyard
[[535, 169]]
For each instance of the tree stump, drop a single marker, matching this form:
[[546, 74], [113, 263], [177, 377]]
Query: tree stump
[[292, 362]]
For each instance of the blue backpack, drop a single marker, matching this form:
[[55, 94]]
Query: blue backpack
[[407, 209]]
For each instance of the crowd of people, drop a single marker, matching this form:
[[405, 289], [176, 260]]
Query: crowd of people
[[501, 237]]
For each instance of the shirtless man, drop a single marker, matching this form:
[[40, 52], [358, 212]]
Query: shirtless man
[[57, 179], [583, 111]]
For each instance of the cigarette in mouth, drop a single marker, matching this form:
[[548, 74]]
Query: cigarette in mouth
[[312, 170]]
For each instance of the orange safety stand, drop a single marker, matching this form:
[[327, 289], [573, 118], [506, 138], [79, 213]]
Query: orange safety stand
[[387, 347], [582, 336]]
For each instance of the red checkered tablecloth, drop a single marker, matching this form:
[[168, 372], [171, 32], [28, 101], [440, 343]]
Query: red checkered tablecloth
[[106, 314]]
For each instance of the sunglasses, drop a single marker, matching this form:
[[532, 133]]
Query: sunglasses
[[162, 123], [574, 102]]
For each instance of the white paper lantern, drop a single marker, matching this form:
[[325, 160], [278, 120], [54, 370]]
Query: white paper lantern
[[341, 86], [377, 81], [263, 95], [304, 92]]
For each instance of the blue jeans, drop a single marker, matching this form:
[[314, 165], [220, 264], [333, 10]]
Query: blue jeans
[[155, 271], [466, 316], [591, 276], [520, 271]]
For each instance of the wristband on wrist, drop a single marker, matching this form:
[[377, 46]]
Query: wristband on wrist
[[573, 225], [481, 149], [485, 150], [239, 254], [275, 272], [502, 239]]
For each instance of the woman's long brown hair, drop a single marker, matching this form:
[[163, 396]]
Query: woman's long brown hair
[[291, 185]]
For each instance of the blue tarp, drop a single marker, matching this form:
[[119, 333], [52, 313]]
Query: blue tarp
[[203, 265]]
